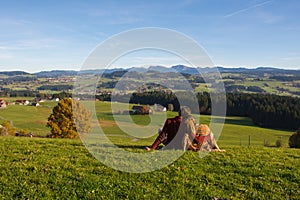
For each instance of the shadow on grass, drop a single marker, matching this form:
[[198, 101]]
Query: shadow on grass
[[245, 122], [142, 147], [131, 146]]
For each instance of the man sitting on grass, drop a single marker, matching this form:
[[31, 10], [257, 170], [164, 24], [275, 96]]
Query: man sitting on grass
[[174, 130]]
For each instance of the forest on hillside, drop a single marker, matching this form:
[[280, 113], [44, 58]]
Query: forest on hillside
[[265, 110]]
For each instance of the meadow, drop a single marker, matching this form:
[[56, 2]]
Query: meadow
[[34, 168], [41, 168], [236, 130]]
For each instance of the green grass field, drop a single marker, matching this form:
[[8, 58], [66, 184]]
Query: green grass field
[[236, 130], [35, 168], [30, 118]]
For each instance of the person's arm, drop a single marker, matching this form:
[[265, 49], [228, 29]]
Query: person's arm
[[161, 136], [158, 140], [191, 129], [214, 142]]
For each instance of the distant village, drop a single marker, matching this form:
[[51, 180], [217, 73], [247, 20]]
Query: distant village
[[35, 102], [136, 110]]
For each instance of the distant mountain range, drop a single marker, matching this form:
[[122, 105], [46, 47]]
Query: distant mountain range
[[162, 69]]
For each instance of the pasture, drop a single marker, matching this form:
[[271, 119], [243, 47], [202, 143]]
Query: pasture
[[40, 168], [34, 168], [236, 130]]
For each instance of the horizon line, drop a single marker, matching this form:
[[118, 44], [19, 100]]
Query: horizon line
[[147, 67]]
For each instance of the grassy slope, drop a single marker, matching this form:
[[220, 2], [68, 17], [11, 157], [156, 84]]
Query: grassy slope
[[50, 168]]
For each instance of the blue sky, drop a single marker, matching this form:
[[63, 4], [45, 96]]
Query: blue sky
[[47, 35]]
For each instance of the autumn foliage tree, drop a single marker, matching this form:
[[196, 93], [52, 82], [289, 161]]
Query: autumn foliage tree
[[7, 129], [69, 119]]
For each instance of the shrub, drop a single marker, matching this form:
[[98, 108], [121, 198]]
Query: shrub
[[9, 128], [294, 140], [3, 131], [266, 143], [23, 131], [278, 143]]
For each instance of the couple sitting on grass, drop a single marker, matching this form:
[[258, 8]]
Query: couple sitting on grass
[[181, 132]]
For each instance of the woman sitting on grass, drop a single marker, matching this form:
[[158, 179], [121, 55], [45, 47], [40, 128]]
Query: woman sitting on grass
[[204, 140]]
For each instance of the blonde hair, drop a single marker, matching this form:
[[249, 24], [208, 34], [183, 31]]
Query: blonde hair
[[185, 111]]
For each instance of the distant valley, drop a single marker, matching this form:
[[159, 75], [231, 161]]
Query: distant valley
[[259, 80]]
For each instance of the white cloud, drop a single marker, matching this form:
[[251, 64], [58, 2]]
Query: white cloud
[[165, 59], [291, 58], [246, 9], [14, 22], [26, 44], [5, 56], [270, 18]]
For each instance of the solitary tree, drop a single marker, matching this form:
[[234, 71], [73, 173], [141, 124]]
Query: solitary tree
[[68, 119]]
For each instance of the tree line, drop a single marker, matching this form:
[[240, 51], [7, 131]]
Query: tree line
[[265, 110], [7, 92]]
